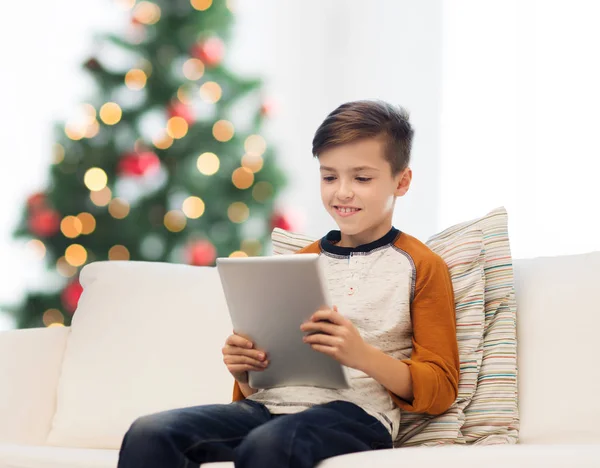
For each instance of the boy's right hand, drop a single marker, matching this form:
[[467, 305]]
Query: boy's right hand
[[240, 356]]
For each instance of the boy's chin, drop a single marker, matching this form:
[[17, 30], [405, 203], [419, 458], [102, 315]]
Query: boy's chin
[[349, 228]]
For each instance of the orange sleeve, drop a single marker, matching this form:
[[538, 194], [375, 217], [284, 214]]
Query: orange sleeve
[[237, 392], [434, 363], [311, 248]]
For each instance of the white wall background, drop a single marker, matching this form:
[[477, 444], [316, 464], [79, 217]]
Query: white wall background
[[503, 96], [520, 120]]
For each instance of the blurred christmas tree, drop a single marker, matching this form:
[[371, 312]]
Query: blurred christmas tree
[[164, 163]]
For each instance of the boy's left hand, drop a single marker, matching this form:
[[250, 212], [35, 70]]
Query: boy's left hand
[[336, 336]]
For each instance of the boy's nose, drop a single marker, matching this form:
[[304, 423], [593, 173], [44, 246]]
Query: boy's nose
[[344, 193]]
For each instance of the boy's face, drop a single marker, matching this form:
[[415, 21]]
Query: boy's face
[[357, 176]]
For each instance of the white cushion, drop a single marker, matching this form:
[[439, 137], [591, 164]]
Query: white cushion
[[146, 337], [29, 367], [20, 456], [515, 456], [559, 348], [472, 456]]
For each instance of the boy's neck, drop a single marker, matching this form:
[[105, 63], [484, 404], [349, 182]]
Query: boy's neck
[[353, 241]]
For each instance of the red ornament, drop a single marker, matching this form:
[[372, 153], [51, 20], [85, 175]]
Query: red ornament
[[201, 253], [210, 51], [36, 201], [179, 109], [44, 222], [70, 296], [136, 164], [268, 108], [280, 221]]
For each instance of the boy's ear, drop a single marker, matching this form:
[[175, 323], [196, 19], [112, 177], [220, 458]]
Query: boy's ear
[[403, 182]]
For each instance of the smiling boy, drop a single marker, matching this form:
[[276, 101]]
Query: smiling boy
[[392, 325]]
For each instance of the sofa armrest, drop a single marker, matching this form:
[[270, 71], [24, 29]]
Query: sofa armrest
[[30, 363]]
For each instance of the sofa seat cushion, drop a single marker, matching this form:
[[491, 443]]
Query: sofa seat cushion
[[27, 456], [467, 456], [497, 456]]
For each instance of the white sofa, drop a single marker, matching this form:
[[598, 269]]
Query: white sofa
[[147, 337]]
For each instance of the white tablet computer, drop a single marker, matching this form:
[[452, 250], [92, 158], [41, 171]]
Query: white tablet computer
[[268, 299]]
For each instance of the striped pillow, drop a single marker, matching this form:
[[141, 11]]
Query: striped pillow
[[492, 416], [463, 253]]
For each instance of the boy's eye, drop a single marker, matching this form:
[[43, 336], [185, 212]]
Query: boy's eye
[[360, 179]]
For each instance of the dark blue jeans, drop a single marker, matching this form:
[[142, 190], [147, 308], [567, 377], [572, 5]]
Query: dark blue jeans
[[248, 434]]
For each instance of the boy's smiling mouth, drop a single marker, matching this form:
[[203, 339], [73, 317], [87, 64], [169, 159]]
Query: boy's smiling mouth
[[345, 211]]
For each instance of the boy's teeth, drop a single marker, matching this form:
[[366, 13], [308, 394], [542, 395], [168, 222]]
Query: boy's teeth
[[346, 210]]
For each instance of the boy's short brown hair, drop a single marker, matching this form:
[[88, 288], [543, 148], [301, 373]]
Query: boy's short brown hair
[[358, 120]]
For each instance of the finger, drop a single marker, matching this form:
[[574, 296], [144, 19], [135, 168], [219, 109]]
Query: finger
[[236, 368], [240, 341], [324, 327], [326, 340], [237, 351], [325, 349], [328, 314], [233, 359]]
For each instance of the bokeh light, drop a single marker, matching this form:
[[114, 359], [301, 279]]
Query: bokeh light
[[177, 127], [238, 212], [88, 223], [147, 12], [118, 208], [193, 207], [92, 129], [75, 130], [193, 69], [208, 163], [118, 252], [58, 153], [242, 178], [238, 254], [185, 93], [37, 247], [255, 144], [71, 226], [210, 92], [201, 5], [262, 191], [53, 316], [175, 221], [64, 269], [101, 197], [89, 112], [162, 141], [125, 4], [252, 161], [135, 79], [95, 179], [110, 113], [76, 255], [251, 247], [223, 130]]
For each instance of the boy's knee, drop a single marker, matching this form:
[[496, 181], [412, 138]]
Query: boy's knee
[[148, 427], [275, 436]]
